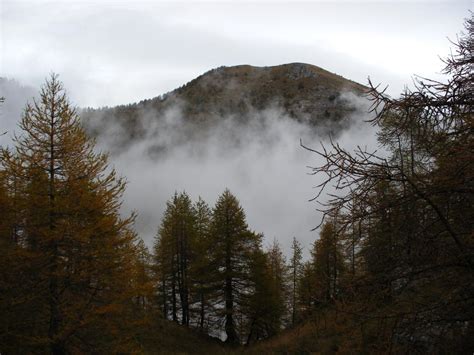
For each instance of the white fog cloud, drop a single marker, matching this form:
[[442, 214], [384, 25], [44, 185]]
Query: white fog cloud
[[261, 162]]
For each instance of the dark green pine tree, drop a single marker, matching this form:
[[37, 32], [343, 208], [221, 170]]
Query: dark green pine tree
[[295, 275], [261, 309], [200, 278], [267, 302], [233, 245], [328, 264], [173, 257], [278, 275]]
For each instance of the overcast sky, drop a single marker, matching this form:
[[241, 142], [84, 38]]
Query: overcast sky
[[116, 52]]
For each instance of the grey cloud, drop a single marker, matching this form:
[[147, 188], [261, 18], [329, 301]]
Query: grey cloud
[[259, 159]]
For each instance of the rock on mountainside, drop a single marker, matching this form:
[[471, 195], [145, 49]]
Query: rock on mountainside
[[303, 92]]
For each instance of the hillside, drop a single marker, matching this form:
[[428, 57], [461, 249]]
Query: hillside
[[303, 92], [166, 337]]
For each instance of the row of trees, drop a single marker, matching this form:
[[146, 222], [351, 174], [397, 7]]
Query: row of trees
[[212, 273]]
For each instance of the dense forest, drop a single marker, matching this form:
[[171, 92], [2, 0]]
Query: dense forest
[[391, 271]]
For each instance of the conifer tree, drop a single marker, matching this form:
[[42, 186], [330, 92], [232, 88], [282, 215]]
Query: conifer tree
[[200, 275], [143, 277], [264, 308], [82, 252], [306, 290], [173, 256], [278, 275], [295, 270], [165, 264], [13, 268], [328, 264], [231, 255]]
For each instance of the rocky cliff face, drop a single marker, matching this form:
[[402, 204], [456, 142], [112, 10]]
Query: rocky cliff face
[[303, 92]]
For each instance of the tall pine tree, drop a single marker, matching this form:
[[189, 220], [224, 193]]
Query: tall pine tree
[[231, 256], [295, 274], [68, 226]]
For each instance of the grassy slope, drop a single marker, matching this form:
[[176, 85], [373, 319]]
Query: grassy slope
[[166, 337], [312, 337]]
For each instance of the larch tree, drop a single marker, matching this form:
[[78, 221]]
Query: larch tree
[[278, 275], [263, 308], [165, 264], [184, 229], [328, 264], [306, 290], [159, 267], [200, 277], [15, 262], [173, 257], [69, 224], [413, 206], [295, 274], [231, 256]]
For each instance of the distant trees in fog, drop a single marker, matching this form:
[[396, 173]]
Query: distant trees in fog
[[213, 274]]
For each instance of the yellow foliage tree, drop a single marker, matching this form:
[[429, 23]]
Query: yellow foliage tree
[[79, 257]]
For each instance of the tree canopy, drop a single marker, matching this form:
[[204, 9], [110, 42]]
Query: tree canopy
[[65, 237]]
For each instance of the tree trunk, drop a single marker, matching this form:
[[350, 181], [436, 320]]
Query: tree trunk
[[57, 346], [165, 301], [229, 312], [293, 301], [229, 302], [201, 322], [173, 291]]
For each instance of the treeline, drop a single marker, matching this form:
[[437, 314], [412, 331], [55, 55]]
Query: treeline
[[212, 273]]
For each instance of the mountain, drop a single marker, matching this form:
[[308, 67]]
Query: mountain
[[303, 92]]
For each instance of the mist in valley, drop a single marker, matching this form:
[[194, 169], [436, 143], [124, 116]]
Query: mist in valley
[[258, 157]]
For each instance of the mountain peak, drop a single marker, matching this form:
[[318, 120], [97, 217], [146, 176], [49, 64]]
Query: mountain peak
[[301, 91], [292, 71], [304, 91]]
